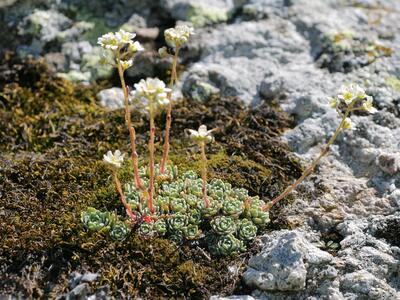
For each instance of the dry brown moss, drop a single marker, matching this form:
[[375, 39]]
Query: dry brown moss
[[52, 136]]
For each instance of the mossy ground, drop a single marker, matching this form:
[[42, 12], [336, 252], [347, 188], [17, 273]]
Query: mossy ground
[[52, 138]]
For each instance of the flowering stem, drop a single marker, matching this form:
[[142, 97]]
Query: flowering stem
[[132, 133], [311, 168], [204, 173], [151, 160], [122, 196], [173, 80]]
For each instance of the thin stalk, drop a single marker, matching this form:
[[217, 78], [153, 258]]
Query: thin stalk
[[168, 122], [310, 169], [132, 133], [122, 196], [151, 160], [204, 173]]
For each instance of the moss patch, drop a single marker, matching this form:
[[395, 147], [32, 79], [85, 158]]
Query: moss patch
[[52, 137]]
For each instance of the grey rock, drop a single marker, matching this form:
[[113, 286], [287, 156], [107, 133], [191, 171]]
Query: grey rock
[[112, 98], [200, 13], [89, 277], [79, 292], [44, 25], [366, 286], [283, 263]]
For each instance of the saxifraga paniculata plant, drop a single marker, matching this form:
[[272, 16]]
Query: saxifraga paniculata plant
[[185, 207]]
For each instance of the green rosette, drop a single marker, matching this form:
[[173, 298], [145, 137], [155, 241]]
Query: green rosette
[[259, 217], [178, 205], [145, 229], [246, 230], [94, 219], [241, 194], [228, 245], [119, 231], [191, 232], [177, 222], [223, 225], [194, 217], [192, 200], [212, 210], [190, 175], [162, 204], [177, 238], [160, 226], [232, 207]]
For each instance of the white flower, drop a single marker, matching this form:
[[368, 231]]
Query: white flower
[[108, 41], [333, 102], [116, 40], [135, 47], [178, 36], [202, 134], [348, 124], [367, 105], [351, 92], [124, 37], [126, 64], [163, 52], [153, 90], [115, 159]]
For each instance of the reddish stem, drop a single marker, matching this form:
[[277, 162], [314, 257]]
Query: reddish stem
[[168, 121], [132, 134], [123, 199], [151, 161]]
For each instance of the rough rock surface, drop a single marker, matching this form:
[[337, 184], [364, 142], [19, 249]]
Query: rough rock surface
[[294, 53], [270, 52]]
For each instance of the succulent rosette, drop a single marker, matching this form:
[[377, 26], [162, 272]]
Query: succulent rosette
[[94, 219], [177, 238], [160, 226], [223, 225], [146, 229], [259, 217], [178, 205], [177, 222], [228, 245], [191, 200], [195, 217], [232, 207], [190, 175], [212, 210], [119, 231], [191, 232], [246, 230], [162, 204]]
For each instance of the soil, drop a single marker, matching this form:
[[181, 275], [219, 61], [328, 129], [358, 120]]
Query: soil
[[52, 138]]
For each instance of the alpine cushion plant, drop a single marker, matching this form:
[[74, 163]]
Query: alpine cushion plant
[[185, 207]]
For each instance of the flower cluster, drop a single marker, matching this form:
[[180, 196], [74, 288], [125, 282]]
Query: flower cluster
[[178, 36], [152, 91], [117, 40], [351, 98]]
